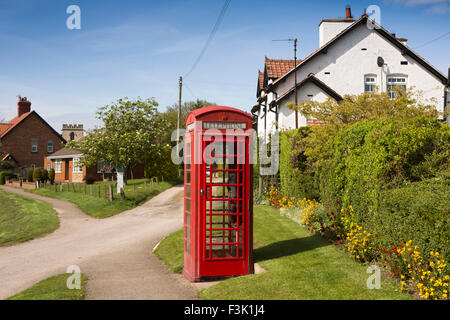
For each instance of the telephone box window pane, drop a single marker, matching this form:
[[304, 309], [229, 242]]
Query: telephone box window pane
[[188, 205], [188, 191], [188, 149], [188, 247], [188, 234], [188, 219], [188, 177]]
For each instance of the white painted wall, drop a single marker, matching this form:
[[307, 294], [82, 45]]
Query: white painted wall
[[286, 117], [329, 29], [348, 65]]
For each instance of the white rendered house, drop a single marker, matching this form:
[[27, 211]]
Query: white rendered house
[[354, 56]]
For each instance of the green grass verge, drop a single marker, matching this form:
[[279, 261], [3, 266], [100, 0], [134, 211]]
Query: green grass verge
[[103, 208], [299, 266], [23, 219], [171, 251], [53, 288]]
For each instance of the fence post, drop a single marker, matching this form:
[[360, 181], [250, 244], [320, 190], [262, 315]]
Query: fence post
[[91, 188], [60, 187], [111, 192], [85, 189], [122, 194], [99, 191]]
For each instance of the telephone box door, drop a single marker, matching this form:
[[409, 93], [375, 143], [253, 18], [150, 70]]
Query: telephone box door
[[224, 192]]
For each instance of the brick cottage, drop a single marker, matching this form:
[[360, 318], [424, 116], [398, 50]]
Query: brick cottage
[[27, 139]]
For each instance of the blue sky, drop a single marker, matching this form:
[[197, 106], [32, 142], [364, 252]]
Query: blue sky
[[140, 48]]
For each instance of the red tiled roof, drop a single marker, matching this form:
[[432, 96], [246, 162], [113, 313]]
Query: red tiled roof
[[6, 127], [276, 68], [260, 79]]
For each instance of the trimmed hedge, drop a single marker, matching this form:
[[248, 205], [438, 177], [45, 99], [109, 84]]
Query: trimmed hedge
[[4, 175], [419, 212], [394, 173], [372, 156], [295, 178]]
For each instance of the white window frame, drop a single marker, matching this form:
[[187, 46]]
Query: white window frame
[[34, 145], [393, 80], [49, 166], [76, 168], [33, 166], [370, 80], [50, 146], [58, 166]]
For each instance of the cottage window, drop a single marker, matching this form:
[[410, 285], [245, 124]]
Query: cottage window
[[77, 167], [49, 166], [50, 146], [58, 166], [395, 81], [34, 145], [370, 82], [72, 136]]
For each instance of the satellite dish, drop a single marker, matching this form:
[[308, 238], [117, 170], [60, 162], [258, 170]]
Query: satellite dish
[[380, 61]]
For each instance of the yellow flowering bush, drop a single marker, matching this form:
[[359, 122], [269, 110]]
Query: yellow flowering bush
[[286, 202], [272, 196], [428, 276], [358, 242]]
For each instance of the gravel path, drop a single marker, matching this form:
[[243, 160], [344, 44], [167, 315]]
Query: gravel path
[[115, 253]]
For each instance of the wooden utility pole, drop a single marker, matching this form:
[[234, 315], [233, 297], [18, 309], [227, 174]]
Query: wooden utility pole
[[180, 84], [295, 83], [295, 76]]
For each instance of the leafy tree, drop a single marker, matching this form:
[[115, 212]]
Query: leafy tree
[[132, 129], [171, 115], [367, 106]]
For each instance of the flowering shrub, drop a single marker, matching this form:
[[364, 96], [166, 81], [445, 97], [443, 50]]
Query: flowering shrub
[[358, 242], [286, 202], [273, 196], [427, 276]]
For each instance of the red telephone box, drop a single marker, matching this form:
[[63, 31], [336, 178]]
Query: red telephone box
[[218, 193]]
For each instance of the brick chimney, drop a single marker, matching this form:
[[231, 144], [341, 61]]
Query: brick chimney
[[23, 106], [348, 12]]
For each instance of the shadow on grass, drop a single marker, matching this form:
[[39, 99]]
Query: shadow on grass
[[288, 247]]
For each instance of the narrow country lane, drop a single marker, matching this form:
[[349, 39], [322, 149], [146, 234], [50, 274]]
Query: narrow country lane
[[115, 253]]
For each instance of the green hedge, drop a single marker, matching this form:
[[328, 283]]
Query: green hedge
[[419, 212], [4, 175], [295, 178], [372, 156]]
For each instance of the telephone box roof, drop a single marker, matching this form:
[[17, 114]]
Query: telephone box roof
[[201, 112]]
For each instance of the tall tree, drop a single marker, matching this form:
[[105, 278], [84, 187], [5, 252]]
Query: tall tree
[[132, 129], [171, 113]]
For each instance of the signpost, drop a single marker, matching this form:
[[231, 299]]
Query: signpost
[[119, 180]]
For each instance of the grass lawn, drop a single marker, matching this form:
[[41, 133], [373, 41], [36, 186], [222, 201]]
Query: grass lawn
[[53, 288], [23, 219], [299, 266], [103, 208]]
